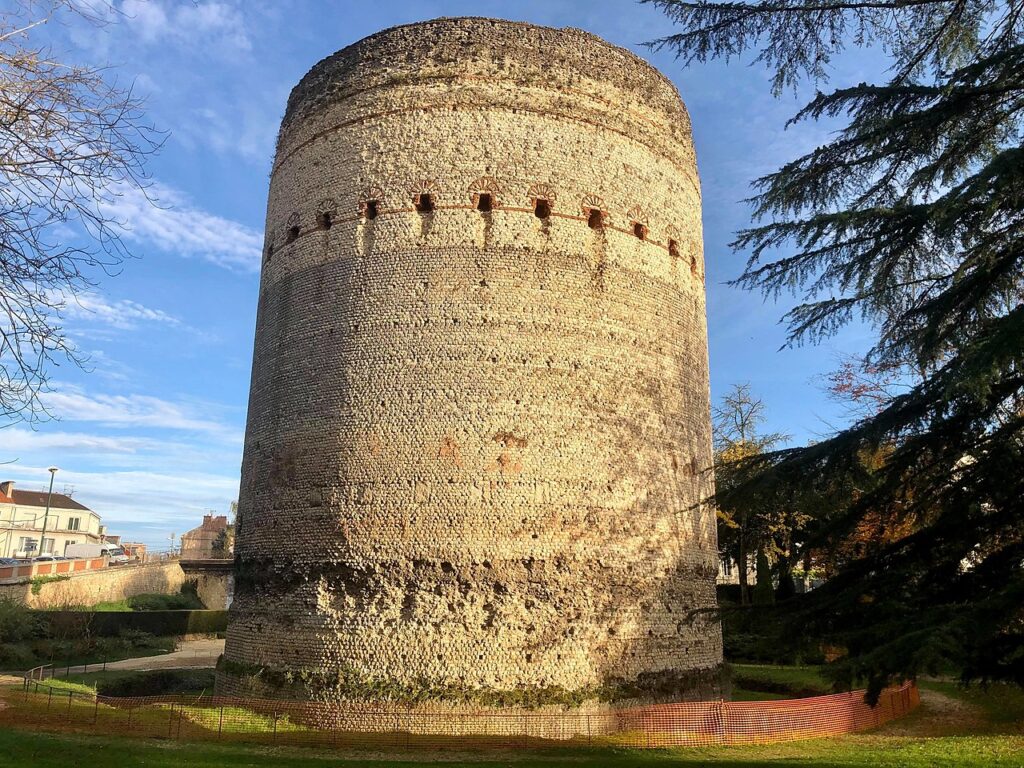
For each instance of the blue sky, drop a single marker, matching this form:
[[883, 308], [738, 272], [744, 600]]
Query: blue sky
[[151, 436]]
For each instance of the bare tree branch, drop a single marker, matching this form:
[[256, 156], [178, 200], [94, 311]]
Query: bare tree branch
[[70, 139]]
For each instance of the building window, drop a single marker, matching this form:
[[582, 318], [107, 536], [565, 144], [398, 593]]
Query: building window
[[74, 523], [727, 567], [26, 544]]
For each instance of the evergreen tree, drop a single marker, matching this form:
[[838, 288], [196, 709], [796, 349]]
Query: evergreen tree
[[911, 219]]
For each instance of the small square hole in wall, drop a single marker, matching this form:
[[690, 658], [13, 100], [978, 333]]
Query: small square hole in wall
[[639, 231], [293, 234], [542, 209], [485, 202], [424, 203], [595, 219], [370, 210], [673, 249], [324, 220]]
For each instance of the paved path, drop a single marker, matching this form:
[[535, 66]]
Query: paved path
[[191, 654]]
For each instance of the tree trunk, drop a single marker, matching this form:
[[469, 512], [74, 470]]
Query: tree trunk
[[764, 591], [742, 565]]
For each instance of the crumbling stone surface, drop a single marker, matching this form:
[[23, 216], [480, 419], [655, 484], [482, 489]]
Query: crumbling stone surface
[[478, 447]]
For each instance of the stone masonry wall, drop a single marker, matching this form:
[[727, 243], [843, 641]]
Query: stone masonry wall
[[478, 446], [107, 585]]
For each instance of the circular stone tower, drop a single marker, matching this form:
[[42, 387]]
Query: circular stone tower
[[478, 447]]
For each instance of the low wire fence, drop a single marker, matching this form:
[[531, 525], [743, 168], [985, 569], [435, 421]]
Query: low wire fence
[[217, 718]]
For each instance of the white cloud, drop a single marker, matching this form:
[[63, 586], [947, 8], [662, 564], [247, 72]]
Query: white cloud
[[137, 503], [164, 218], [197, 23], [18, 440], [241, 127], [135, 411], [123, 314]]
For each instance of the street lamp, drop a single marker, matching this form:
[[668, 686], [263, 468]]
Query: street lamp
[[46, 514]]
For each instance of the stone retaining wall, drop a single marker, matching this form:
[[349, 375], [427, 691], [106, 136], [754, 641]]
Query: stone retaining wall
[[107, 585]]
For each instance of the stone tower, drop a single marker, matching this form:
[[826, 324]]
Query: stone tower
[[478, 445]]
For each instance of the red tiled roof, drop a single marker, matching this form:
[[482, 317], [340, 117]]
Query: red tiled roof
[[38, 499]]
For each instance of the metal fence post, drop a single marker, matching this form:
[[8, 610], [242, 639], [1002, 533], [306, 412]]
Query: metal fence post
[[96, 710], [275, 725], [49, 698], [220, 724], [69, 703], [170, 722]]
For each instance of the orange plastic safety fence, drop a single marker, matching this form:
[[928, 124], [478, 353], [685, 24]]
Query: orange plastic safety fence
[[291, 722]]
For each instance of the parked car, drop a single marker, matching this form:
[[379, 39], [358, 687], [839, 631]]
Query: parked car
[[45, 558], [5, 561]]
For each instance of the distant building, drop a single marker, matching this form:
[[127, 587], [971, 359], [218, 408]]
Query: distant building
[[21, 523], [134, 549], [729, 572], [198, 543]]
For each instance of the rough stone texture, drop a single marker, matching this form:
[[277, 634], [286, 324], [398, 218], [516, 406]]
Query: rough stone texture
[[478, 441], [214, 581], [106, 585]]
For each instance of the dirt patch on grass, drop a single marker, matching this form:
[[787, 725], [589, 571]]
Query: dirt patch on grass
[[939, 715]]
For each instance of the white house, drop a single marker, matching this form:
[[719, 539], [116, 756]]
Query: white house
[[21, 523]]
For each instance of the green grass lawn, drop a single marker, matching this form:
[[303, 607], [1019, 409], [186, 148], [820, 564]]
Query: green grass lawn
[[954, 727], [786, 682], [46, 751]]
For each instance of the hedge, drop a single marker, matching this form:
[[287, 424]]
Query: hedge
[[113, 623]]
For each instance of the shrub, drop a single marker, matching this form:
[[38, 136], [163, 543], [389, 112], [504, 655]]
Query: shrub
[[17, 621], [157, 683], [159, 623], [185, 601], [16, 656], [38, 581]]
